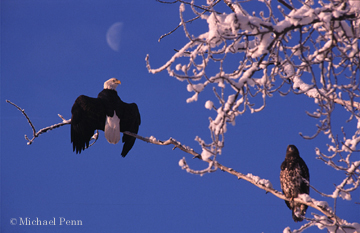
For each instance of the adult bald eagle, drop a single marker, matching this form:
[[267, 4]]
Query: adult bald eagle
[[107, 112], [294, 180]]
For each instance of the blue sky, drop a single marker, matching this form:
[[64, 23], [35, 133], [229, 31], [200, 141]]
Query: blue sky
[[53, 51]]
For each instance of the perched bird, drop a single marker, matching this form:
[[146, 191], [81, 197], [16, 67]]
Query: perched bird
[[107, 112], [294, 180]]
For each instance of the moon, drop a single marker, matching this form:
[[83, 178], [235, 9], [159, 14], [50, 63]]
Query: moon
[[113, 36]]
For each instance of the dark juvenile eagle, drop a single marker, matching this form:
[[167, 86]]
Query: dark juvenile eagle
[[107, 112], [294, 180]]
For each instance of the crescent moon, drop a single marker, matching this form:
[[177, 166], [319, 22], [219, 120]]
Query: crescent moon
[[113, 36]]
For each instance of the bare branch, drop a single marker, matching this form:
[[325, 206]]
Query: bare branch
[[286, 4], [41, 131], [44, 130]]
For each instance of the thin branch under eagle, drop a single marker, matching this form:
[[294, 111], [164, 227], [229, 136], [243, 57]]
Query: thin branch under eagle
[[332, 218]]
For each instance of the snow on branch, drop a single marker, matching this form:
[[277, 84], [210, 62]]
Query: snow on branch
[[322, 222]]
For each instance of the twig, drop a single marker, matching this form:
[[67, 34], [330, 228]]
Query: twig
[[182, 23], [166, 34], [286, 4], [44, 130], [41, 131]]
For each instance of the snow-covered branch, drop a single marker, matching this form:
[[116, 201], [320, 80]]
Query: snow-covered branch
[[309, 49]]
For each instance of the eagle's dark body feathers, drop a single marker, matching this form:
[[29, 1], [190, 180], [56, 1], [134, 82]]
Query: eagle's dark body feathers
[[90, 114], [294, 180]]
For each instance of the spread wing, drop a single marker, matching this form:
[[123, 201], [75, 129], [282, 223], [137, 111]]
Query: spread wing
[[129, 121], [88, 114]]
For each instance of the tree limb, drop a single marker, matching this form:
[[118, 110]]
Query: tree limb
[[41, 131], [320, 206]]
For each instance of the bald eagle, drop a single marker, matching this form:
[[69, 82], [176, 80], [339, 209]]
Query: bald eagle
[[107, 112], [294, 180]]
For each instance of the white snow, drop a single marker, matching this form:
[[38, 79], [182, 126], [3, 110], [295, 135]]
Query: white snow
[[206, 154], [322, 222], [253, 177], [262, 48], [198, 87], [345, 195], [193, 98], [218, 126], [287, 230], [189, 88], [305, 197], [182, 163], [322, 204], [353, 167], [178, 67], [289, 69], [258, 180], [229, 102], [209, 104], [182, 7], [351, 143], [152, 138], [246, 76]]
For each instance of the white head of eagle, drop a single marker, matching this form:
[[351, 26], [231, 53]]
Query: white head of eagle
[[294, 180], [111, 84], [107, 112]]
